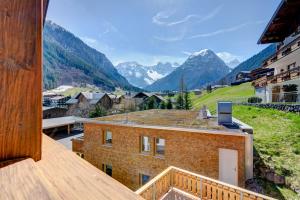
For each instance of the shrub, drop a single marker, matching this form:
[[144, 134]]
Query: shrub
[[254, 100], [97, 112]]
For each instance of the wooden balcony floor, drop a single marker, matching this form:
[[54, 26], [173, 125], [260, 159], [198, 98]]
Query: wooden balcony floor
[[61, 174]]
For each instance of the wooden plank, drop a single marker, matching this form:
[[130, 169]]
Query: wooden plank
[[20, 79], [23, 180], [76, 179]]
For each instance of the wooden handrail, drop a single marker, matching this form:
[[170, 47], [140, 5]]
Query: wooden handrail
[[194, 184]]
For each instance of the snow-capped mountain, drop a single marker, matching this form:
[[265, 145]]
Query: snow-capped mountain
[[199, 69], [142, 76], [233, 63]]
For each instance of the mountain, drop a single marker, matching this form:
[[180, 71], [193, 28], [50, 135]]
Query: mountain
[[250, 64], [200, 69], [142, 76], [233, 63], [69, 61]]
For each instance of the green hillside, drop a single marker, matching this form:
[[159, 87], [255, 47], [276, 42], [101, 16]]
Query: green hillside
[[233, 93], [276, 136]]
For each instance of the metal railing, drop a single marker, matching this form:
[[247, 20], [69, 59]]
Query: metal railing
[[195, 185]]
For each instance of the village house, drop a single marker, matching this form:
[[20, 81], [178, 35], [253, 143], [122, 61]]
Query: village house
[[135, 147], [143, 98], [278, 79], [84, 102], [53, 112]]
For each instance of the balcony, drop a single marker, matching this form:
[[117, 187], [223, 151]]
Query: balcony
[[285, 76], [175, 183], [260, 82]]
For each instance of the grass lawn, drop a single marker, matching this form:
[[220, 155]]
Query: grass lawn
[[233, 93], [76, 90], [276, 136], [277, 141]]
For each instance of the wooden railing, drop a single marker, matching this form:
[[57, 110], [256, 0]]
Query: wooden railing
[[196, 185], [285, 76]]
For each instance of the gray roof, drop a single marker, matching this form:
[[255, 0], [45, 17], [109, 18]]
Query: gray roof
[[60, 121], [72, 101]]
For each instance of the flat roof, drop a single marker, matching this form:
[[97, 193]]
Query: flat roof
[[60, 121], [283, 23], [60, 174], [164, 119]]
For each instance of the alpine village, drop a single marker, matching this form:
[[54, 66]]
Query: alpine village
[[75, 125]]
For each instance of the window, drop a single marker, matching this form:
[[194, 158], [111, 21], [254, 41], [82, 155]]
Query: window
[[107, 169], [145, 144], [108, 137], [144, 179], [160, 146]]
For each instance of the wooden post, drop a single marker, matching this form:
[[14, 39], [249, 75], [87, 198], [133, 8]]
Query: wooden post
[[21, 24], [69, 129]]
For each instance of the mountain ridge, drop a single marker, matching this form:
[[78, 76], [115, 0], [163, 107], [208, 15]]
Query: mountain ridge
[[142, 75], [69, 61], [200, 68]]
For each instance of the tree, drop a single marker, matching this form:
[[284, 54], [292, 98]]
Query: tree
[[187, 101], [179, 102], [180, 99], [169, 104], [162, 105], [97, 112], [208, 89], [151, 103]]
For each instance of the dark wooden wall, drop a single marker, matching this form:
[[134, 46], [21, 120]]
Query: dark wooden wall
[[20, 78]]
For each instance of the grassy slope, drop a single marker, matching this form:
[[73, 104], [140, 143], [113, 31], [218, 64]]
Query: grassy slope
[[276, 135], [76, 90], [228, 93]]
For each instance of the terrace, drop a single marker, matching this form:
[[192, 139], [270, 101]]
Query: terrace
[[175, 183]]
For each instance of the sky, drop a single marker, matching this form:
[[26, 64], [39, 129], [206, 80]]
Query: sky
[[151, 31]]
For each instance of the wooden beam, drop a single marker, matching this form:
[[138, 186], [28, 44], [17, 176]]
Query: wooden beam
[[20, 78]]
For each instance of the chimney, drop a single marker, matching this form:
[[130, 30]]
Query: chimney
[[225, 112]]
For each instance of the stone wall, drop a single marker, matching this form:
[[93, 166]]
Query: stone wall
[[283, 107], [195, 151]]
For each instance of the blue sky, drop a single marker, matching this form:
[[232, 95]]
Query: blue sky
[[149, 31]]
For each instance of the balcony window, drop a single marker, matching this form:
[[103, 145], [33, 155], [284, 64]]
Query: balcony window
[[108, 137], [144, 179], [107, 169], [145, 144], [159, 147]]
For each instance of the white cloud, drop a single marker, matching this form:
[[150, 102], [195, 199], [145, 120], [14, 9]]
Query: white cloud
[[186, 53], [225, 30], [228, 57], [89, 41], [160, 17]]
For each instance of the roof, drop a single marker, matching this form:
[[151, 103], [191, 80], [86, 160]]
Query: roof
[[60, 174], [159, 97], [164, 118], [60, 121], [283, 23], [72, 101], [92, 97], [142, 93]]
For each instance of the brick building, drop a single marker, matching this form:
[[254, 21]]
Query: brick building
[[135, 147]]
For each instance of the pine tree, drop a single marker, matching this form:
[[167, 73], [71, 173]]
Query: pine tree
[[187, 101], [162, 105], [169, 104], [180, 99]]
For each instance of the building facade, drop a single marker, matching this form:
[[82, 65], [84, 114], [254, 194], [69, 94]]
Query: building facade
[[134, 154], [282, 84]]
